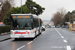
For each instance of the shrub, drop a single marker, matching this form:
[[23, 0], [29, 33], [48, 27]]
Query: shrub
[[4, 29]]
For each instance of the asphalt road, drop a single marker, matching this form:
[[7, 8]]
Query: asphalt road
[[3, 37], [51, 39]]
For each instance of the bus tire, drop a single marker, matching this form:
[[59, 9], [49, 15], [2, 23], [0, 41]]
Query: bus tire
[[15, 38], [40, 32]]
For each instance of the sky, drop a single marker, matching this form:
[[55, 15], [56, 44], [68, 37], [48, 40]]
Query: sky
[[51, 6]]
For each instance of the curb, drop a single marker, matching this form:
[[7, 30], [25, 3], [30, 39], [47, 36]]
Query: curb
[[5, 39]]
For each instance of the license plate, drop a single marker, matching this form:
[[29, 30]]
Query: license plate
[[21, 36]]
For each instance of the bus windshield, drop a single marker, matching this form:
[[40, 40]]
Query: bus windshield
[[22, 23]]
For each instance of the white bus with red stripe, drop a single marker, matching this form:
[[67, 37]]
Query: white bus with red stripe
[[25, 26]]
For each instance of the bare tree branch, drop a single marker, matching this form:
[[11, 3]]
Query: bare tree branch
[[58, 17]]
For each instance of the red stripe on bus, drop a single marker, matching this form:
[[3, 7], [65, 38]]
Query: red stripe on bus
[[19, 32]]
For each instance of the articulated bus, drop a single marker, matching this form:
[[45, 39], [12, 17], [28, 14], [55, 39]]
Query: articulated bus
[[25, 26]]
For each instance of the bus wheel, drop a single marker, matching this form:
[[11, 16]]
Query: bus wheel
[[40, 32], [16, 39]]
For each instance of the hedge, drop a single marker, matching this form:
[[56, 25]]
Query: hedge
[[4, 29]]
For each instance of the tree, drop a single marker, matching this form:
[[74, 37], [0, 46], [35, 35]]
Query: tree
[[6, 5], [26, 8], [69, 16], [5, 8], [34, 8], [10, 1], [58, 17], [15, 10]]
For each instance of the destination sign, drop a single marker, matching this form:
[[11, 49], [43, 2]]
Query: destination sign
[[14, 17], [20, 17]]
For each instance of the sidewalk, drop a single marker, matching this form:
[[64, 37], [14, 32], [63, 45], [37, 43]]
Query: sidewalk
[[4, 37]]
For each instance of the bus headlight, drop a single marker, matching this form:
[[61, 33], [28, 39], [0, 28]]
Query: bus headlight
[[32, 31], [12, 32]]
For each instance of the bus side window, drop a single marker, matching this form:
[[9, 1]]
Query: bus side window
[[36, 23]]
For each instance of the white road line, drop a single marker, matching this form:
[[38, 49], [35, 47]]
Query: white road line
[[65, 41], [35, 39], [24, 45], [62, 37], [21, 47], [43, 32], [68, 47], [60, 34], [58, 31], [29, 42]]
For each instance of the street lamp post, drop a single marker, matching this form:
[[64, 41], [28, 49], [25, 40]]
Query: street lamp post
[[0, 5], [21, 6]]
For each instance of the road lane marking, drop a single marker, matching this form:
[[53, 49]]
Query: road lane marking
[[58, 31], [68, 47], [65, 41], [60, 34], [62, 37], [43, 32], [21, 47], [35, 39], [29, 42], [24, 45]]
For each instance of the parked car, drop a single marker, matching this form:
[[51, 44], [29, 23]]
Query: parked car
[[52, 26], [2, 24], [62, 26], [57, 26], [43, 27]]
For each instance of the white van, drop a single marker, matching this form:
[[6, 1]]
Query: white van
[[43, 27]]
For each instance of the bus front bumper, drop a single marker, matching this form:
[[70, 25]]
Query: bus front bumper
[[22, 36]]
